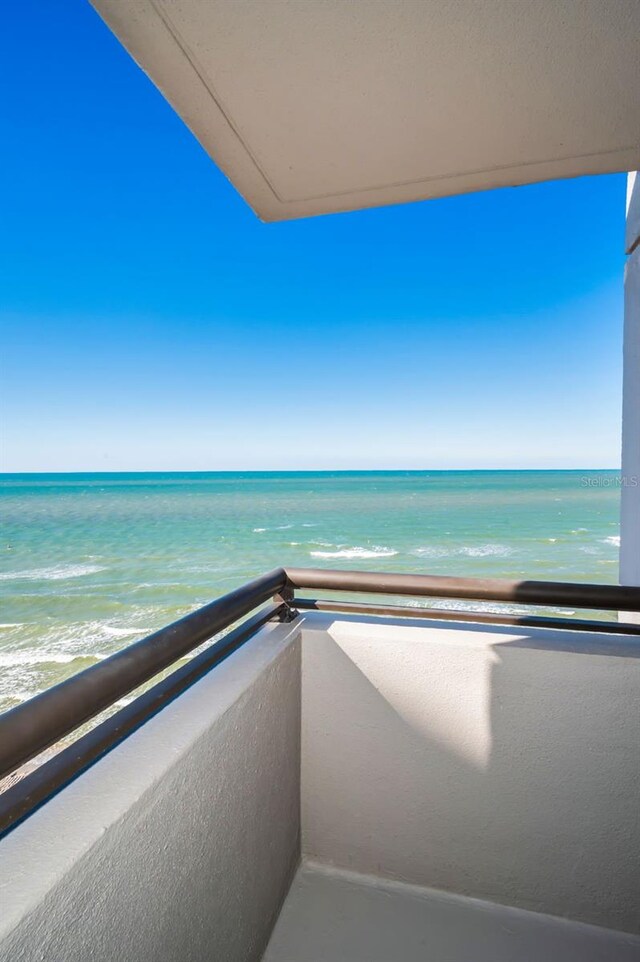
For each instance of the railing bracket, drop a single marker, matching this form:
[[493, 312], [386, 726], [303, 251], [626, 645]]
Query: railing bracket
[[284, 598], [287, 614]]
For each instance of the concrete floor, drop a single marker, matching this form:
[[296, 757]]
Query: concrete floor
[[336, 916]]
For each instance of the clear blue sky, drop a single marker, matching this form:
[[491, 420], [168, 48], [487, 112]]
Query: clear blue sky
[[150, 321]]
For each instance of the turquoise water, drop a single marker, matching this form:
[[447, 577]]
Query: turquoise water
[[90, 562]]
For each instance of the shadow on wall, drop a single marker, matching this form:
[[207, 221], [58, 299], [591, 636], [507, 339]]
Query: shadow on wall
[[499, 763]]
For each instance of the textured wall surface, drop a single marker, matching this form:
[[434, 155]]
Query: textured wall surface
[[332, 914], [502, 764], [180, 844]]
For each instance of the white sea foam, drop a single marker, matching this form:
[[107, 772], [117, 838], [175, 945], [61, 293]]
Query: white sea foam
[[19, 694], [62, 644], [469, 551], [375, 551], [431, 551], [486, 551], [39, 656], [613, 539], [277, 527], [68, 644], [125, 632], [55, 573], [483, 607]]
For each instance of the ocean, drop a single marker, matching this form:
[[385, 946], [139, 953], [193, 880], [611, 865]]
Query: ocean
[[90, 562]]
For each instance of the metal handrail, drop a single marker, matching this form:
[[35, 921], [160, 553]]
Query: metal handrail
[[30, 728], [547, 593]]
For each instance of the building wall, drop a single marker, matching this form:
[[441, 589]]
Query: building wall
[[630, 493], [493, 762], [181, 843]]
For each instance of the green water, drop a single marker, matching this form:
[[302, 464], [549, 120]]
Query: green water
[[90, 562]]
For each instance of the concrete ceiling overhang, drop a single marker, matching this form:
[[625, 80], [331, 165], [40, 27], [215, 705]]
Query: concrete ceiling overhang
[[314, 106]]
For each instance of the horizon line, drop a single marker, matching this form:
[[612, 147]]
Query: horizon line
[[4, 474]]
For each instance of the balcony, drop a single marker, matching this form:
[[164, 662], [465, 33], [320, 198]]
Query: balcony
[[339, 780]]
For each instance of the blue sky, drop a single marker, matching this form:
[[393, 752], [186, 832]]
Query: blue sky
[[151, 322]]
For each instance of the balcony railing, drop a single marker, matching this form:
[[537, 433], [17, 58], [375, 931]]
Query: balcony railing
[[43, 721]]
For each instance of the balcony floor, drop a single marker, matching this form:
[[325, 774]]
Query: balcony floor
[[336, 916]]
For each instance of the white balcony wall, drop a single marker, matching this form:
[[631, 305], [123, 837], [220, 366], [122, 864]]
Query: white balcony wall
[[494, 762], [181, 843], [332, 915]]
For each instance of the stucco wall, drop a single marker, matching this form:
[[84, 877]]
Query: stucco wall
[[179, 845], [498, 763], [501, 764]]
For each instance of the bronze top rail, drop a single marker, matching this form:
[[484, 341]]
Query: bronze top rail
[[546, 593]]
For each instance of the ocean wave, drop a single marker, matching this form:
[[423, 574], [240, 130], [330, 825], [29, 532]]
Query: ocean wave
[[481, 607], [31, 657], [74, 636], [18, 695], [469, 551], [64, 643], [125, 632], [613, 539], [431, 551], [55, 573], [76, 642], [375, 551], [277, 527], [486, 551]]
